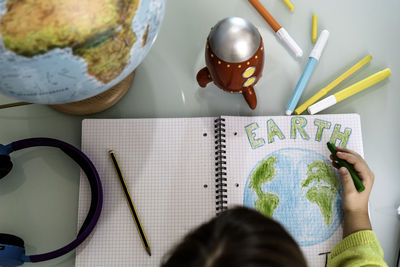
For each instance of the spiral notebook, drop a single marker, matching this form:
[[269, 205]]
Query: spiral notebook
[[182, 172]]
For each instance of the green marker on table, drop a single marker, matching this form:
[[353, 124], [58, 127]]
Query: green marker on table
[[342, 163]]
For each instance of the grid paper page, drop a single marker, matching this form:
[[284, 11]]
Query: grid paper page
[[166, 164], [292, 148]]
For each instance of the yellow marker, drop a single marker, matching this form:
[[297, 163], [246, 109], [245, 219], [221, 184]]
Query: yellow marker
[[332, 85], [363, 84], [349, 91], [289, 4], [130, 203], [314, 27]]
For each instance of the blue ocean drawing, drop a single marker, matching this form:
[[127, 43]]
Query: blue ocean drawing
[[302, 218]]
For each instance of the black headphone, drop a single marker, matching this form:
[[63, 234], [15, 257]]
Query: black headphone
[[12, 250]]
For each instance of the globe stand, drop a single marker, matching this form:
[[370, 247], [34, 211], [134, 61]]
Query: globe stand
[[99, 102]]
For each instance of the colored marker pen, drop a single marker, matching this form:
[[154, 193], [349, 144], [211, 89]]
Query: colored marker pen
[[280, 32], [349, 91], [312, 60]]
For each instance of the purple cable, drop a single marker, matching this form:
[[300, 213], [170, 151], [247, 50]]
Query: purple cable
[[95, 186]]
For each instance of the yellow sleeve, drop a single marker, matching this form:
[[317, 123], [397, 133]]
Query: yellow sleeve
[[358, 249]]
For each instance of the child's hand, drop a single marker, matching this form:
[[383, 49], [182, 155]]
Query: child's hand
[[353, 200], [355, 204]]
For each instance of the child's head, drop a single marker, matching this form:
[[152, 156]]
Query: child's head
[[237, 237]]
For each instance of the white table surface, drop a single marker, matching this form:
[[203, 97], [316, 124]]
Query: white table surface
[[39, 199]]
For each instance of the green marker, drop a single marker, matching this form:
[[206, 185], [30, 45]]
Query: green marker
[[342, 163]]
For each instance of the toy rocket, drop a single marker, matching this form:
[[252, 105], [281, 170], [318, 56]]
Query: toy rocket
[[234, 58]]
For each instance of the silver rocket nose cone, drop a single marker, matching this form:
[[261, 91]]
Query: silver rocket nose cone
[[234, 39]]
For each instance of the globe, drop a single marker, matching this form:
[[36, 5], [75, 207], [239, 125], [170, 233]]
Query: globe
[[300, 189], [55, 52]]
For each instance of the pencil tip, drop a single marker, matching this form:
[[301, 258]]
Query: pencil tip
[[110, 151], [148, 251]]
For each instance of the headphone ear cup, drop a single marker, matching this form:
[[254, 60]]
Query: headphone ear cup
[[5, 165], [7, 239], [12, 250]]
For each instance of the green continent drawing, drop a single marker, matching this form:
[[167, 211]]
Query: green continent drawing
[[325, 191], [98, 31], [265, 172], [267, 203]]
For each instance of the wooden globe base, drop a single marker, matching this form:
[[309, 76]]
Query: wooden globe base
[[99, 102]]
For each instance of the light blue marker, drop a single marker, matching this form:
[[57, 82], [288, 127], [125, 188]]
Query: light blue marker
[[312, 60]]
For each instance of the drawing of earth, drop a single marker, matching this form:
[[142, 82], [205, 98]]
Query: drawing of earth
[[300, 189], [55, 52]]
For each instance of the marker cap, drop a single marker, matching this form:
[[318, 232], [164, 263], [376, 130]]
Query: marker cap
[[320, 45], [284, 36], [321, 105]]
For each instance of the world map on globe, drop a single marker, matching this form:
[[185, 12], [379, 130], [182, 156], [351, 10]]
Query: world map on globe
[[300, 189], [54, 52]]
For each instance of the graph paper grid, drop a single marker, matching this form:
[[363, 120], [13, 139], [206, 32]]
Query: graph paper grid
[[168, 165]]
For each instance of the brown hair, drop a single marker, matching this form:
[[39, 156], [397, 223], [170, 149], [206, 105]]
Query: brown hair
[[237, 237]]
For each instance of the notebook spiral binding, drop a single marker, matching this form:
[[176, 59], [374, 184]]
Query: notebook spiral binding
[[220, 166]]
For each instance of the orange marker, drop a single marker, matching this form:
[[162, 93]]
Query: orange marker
[[266, 15], [282, 34]]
